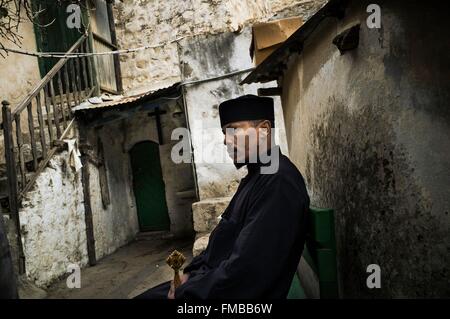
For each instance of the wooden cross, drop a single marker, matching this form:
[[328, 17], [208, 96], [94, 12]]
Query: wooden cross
[[157, 114], [175, 261]]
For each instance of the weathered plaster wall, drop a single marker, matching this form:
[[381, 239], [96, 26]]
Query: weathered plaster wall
[[370, 131], [149, 22], [118, 223], [115, 225], [206, 57], [19, 73], [53, 224]]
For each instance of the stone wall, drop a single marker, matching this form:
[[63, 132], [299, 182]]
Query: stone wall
[[149, 22], [370, 131]]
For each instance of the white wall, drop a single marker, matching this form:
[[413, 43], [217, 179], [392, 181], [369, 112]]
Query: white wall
[[117, 224], [53, 223], [206, 57]]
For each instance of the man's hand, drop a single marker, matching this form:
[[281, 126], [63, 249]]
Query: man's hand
[[184, 278], [171, 294]]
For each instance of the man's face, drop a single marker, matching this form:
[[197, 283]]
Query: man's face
[[243, 139]]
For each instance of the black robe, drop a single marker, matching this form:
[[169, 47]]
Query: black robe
[[256, 247]]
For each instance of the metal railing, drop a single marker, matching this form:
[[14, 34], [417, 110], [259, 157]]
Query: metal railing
[[30, 144]]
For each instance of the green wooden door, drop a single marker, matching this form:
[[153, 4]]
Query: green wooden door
[[149, 188], [52, 32]]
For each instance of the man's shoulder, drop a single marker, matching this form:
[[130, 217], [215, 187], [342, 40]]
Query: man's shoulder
[[285, 173], [285, 182], [287, 167]]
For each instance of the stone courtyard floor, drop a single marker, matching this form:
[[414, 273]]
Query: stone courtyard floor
[[132, 269]]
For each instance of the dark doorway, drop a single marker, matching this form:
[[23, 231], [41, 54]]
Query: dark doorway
[[149, 188]]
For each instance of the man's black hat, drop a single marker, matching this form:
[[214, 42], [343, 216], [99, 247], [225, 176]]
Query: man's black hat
[[246, 108]]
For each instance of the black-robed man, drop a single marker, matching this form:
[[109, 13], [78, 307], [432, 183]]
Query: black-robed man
[[254, 250]]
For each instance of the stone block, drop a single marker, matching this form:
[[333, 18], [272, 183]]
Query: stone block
[[200, 243], [206, 213]]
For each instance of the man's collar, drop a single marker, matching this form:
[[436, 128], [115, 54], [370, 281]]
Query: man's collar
[[264, 160]]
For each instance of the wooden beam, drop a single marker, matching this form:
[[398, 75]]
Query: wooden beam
[[103, 41], [87, 198], [41, 126], [12, 179], [62, 98], [108, 90], [103, 178], [84, 70], [157, 113], [160, 112], [275, 91], [69, 96], [77, 63], [48, 112], [20, 144], [32, 136], [112, 28], [55, 110]]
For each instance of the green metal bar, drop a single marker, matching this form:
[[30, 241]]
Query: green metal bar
[[322, 248]]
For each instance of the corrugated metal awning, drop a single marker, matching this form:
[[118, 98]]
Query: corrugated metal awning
[[106, 102]]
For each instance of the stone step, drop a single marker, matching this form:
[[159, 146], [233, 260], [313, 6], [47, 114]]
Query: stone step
[[200, 243], [151, 235], [207, 212]]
